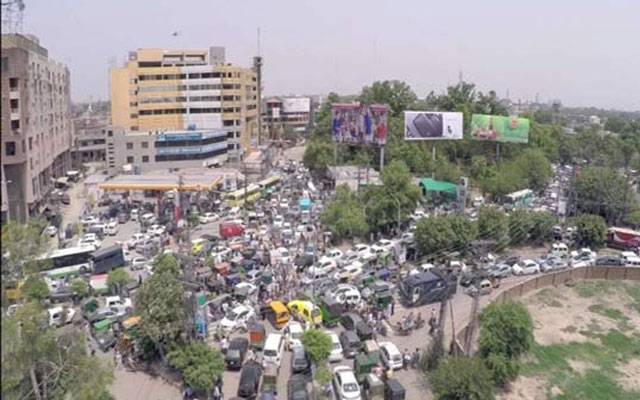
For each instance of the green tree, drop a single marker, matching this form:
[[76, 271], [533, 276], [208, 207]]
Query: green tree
[[166, 263], [604, 192], [21, 245], [464, 232], [319, 155], [35, 288], [493, 224], [317, 345], [591, 230], [535, 169], [398, 95], [520, 227], [117, 279], [433, 234], [461, 378], [80, 287], [199, 365], [42, 363], [505, 329], [542, 227], [633, 219], [322, 126], [344, 216], [160, 304]]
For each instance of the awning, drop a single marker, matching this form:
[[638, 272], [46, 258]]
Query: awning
[[431, 185]]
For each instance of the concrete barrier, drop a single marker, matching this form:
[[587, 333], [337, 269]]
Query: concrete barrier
[[551, 279]]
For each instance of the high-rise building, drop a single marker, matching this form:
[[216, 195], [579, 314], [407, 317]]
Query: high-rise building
[[287, 113], [160, 89], [36, 125], [89, 138]]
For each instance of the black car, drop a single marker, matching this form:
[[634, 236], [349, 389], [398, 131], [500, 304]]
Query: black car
[[123, 218], [249, 380], [350, 320], [297, 388], [236, 352], [351, 343], [300, 363], [609, 260]]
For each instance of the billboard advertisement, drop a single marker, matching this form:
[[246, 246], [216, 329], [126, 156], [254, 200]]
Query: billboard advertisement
[[356, 124], [296, 105], [499, 128], [427, 125]]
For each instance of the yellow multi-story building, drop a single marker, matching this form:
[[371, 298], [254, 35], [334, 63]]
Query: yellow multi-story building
[[159, 89]]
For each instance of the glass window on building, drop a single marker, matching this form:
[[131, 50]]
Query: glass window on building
[[145, 145], [129, 146], [129, 159], [145, 159], [10, 148]]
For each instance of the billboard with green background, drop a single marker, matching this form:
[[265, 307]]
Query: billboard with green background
[[499, 128]]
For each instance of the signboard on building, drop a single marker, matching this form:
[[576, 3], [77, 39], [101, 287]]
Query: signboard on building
[[427, 125], [499, 128], [356, 124], [296, 105], [275, 113]]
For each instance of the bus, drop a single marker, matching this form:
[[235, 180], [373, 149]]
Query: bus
[[67, 262], [519, 199], [249, 194], [267, 185], [623, 239], [104, 260]]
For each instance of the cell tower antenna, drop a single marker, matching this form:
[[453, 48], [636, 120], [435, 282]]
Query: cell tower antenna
[[12, 16], [259, 54]]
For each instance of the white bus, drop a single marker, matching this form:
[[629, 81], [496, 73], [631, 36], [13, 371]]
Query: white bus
[[67, 262], [519, 199]]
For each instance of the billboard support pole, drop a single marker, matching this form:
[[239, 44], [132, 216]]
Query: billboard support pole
[[433, 158], [381, 158], [335, 154], [498, 151]]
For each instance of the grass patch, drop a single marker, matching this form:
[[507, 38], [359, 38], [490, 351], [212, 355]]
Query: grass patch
[[551, 362], [548, 297], [612, 313], [593, 288]]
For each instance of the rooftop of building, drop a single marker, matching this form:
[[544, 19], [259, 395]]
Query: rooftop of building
[[184, 181]]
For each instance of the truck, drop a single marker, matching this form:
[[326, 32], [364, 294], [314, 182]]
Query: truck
[[228, 230], [623, 239], [427, 288]]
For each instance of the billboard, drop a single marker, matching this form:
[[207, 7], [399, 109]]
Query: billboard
[[427, 125], [500, 128], [358, 124], [296, 105]]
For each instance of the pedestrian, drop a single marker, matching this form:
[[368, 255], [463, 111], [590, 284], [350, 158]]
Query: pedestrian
[[406, 359], [224, 345], [393, 307], [416, 358], [216, 393]]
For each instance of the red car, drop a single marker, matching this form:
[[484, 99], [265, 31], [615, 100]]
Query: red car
[[228, 230]]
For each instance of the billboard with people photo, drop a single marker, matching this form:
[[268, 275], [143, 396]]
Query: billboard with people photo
[[356, 124], [499, 128], [426, 125]]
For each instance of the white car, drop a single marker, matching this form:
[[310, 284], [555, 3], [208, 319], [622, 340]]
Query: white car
[[349, 272], [385, 244], [50, 231], [117, 301], [349, 258], [89, 240], [237, 318], [391, 356], [583, 258], [112, 228], [250, 288], [345, 384], [361, 250], [336, 352], [418, 214], [525, 267], [326, 265], [136, 239], [408, 238], [293, 334], [278, 220], [56, 315], [219, 253], [208, 217], [334, 254], [138, 262], [284, 255], [156, 230], [346, 294], [89, 220]]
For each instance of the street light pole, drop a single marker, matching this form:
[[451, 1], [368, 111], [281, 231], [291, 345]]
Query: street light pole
[[398, 208]]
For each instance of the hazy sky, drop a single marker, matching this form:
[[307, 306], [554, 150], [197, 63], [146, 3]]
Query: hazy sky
[[583, 52]]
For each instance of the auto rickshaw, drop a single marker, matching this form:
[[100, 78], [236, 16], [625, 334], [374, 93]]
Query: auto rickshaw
[[331, 311], [256, 335], [267, 277], [373, 388], [223, 268], [394, 390], [89, 306], [364, 364], [270, 380]]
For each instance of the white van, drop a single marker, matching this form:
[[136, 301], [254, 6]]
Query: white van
[[134, 214], [625, 255], [148, 218], [112, 228], [273, 349], [559, 250], [56, 315]]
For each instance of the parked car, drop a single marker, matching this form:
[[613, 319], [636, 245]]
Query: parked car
[[345, 384], [297, 388], [236, 352], [336, 352], [390, 355], [122, 218], [300, 363], [60, 315], [136, 239], [208, 217], [293, 334], [553, 264], [249, 380], [499, 271], [351, 343], [237, 318], [609, 260], [526, 267]]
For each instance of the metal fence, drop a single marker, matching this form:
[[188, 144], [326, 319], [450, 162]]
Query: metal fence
[[552, 279]]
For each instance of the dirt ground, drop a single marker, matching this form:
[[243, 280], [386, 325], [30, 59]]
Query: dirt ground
[[564, 315]]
